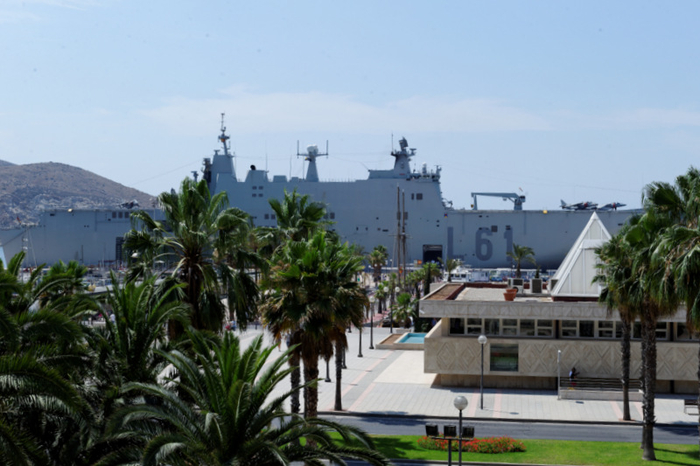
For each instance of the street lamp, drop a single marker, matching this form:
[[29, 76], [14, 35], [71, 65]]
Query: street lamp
[[359, 347], [558, 374], [397, 290], [482, 342], [460, 403], [372, 300]]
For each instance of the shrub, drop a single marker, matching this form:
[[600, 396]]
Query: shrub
[[484, 445]]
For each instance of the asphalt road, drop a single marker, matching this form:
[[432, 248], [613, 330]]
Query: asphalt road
[[525, 430]]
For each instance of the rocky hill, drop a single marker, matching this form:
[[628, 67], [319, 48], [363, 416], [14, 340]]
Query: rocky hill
[[27, 190]]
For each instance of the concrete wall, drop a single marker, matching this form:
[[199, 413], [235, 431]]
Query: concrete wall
[[458, 360]]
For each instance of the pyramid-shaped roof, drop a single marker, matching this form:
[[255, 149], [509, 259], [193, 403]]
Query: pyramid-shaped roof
[[575, 275]]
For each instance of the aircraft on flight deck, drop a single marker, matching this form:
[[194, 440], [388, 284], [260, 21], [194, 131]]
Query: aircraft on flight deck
[[612, 206], [580, 206]]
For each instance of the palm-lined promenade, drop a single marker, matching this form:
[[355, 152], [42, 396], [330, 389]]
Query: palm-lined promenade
[[162, 382]]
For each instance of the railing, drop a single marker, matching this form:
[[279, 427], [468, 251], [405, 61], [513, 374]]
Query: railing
[[599, 384]]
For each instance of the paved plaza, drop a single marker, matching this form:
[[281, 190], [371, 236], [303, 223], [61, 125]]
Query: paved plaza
[[392, 382]]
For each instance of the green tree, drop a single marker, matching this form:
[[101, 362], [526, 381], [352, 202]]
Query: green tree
[[450, 265], [403, 309], [377, 259], [616, 277], [63, 281], [232, 417], [430, 272], [198, 234], [655, 297], [297, 216], [677, 248], [521, 254], [308, 283]]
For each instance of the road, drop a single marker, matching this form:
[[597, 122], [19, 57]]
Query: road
[[525, 430]]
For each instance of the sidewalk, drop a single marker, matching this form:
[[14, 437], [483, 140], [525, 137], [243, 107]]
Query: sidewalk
[[392, 382]]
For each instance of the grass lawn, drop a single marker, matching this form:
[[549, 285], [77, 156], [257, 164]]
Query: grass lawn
[[548, 452]]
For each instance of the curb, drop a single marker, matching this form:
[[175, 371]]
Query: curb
[[489, 419]]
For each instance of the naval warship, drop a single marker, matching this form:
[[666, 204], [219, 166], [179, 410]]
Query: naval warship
[[399, 208]]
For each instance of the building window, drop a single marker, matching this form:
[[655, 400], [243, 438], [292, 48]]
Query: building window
[[578, 328], [267, 216], [503, 358], [586, 329], [114, 215], [682, 332], [509, 327], [606, 329], [255, 187], [413, 196], [662, 331], [545, 328], [419, 196], [273, 217], [456, 326], [332, 215], [474, 326], [492, 326], [527, 327], [568, 328]]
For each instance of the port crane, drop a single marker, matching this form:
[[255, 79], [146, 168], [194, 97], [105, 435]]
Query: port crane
[[515, 197]]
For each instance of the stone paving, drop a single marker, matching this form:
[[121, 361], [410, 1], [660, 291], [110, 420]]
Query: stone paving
[[392, 382]]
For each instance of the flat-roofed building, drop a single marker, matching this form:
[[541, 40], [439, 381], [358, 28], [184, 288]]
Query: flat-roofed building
[[526, 335]]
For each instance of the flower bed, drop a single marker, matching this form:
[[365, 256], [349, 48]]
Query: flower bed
[[483, 445]]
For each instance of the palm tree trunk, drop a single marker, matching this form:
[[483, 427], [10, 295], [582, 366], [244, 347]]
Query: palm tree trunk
[[311, 391], [699, 388], [295, 378], [626, 353], [338, 376], [649, 335]]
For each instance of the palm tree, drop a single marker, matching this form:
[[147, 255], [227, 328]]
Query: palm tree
[[655, 297], [64, 280], [350, 304], [615, 275], [678, 247], [44, 365], [35, 399], [127, 345], [450, 265], [198, 233], [430, 271], [314, 295], [232, 417], [403, 308], [377, 259], [297, 216], [521, 254]]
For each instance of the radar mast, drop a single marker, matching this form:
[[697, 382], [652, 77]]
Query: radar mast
[[311, 155]]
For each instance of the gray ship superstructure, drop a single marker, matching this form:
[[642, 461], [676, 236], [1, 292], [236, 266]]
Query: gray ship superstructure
[[400, 203], [391, 207], [89, 236]]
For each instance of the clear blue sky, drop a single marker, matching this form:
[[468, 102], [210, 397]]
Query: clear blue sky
[[582, 101]]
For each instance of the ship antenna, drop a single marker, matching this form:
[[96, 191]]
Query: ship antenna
[[223, 137]]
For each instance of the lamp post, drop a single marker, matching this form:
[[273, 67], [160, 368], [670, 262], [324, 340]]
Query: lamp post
[[359, 346], [397, 290], [372, 300], [328, 372], [558, 374], [460, 403], [482, 342]]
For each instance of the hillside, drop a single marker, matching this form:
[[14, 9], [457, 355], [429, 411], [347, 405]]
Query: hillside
[[27, 190]]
